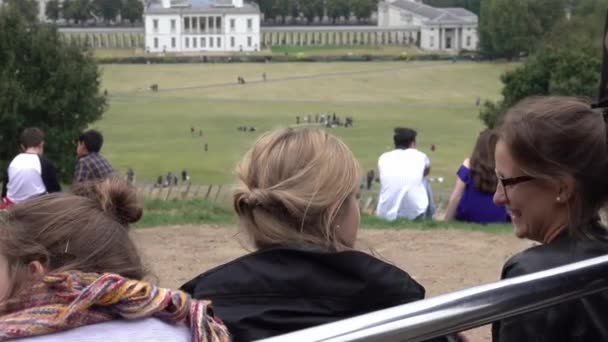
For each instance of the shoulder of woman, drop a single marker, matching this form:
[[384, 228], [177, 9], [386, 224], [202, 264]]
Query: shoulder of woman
[[466, 163]]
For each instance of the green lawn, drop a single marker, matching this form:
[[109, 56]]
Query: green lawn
[[168, 213], [150, 132]]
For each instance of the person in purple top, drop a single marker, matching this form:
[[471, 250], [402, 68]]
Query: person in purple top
[[471, 200]]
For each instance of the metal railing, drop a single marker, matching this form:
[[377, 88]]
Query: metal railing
[[466, 309]]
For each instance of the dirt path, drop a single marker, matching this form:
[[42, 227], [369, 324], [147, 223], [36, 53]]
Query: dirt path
[[441, 260]]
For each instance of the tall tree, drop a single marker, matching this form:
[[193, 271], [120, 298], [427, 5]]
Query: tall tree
[[53, 11], [337, 9], [288, 8], [77, 10], [567, 63], [47, 83], [107, 9], [268, 7], [311, 9], [363, 9], [132, 10], [509, 28], [28, 8]]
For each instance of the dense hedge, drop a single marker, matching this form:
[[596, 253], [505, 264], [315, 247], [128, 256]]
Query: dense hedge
[[299, 57]]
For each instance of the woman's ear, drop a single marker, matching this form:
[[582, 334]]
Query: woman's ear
[[35, 270], [566, 188]]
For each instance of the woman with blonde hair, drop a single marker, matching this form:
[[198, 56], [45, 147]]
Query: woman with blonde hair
[[69, 271], [296, 200]]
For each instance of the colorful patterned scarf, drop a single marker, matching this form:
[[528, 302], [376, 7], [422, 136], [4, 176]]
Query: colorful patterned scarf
[[72, 299]]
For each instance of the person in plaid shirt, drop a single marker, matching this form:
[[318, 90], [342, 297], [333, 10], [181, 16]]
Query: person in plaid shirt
[[90, 164]]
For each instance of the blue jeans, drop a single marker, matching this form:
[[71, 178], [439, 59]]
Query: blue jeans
[[430, 210]]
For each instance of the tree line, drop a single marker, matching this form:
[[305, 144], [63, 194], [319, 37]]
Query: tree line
[[563, 45], [79, 11]]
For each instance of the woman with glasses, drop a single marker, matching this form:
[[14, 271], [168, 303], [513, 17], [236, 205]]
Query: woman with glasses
[[551, 163]]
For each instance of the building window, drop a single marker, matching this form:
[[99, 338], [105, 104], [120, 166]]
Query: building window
[[218, 23], [249, 24], [155, 24], [172, 25], [194, 23], [249, 41], [201, 23], [406, 17], [194, 42], [210, 41], [432, 41], [231, 41], [468, 41], [156, 43], [187, 43], [186, 23], [211, 23], [173, 42], [232, 24], [219, 42], [203, 42]]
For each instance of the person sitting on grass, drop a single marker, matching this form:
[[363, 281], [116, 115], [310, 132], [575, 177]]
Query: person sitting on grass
[[471, 200], [297, 201], [70, 272]]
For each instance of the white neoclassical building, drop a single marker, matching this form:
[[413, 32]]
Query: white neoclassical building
[[202, 25], [441, 29]]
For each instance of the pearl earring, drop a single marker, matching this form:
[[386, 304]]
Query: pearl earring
[[337, 226], [558, 198]]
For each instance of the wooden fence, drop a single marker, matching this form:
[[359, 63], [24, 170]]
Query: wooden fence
[[222, 195]]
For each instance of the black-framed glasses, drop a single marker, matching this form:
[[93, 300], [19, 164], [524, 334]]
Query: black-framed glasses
[[514, 180], [505, 182]]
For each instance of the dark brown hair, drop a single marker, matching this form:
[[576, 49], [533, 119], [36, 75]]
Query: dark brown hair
[[482, 162], [85, 231], [554, 137], [31, 137]]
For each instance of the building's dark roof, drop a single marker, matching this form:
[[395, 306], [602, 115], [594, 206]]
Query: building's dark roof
[[437, 15], [202, 6]]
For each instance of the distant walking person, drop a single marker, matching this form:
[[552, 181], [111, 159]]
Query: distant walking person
[[130, 176], [30, 174], [90, 164]]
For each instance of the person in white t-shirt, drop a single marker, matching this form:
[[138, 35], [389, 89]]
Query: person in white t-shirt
[[30, 174], [404, 192]]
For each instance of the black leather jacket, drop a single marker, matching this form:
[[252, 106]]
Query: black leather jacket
[[280, 290], [583, 320]]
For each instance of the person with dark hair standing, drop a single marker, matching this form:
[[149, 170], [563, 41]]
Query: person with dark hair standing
[[90, 164], [404, 191], [551, 163], [471, 200], [30, 174]]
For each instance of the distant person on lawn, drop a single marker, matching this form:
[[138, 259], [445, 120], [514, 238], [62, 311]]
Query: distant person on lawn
[[90, 164]]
